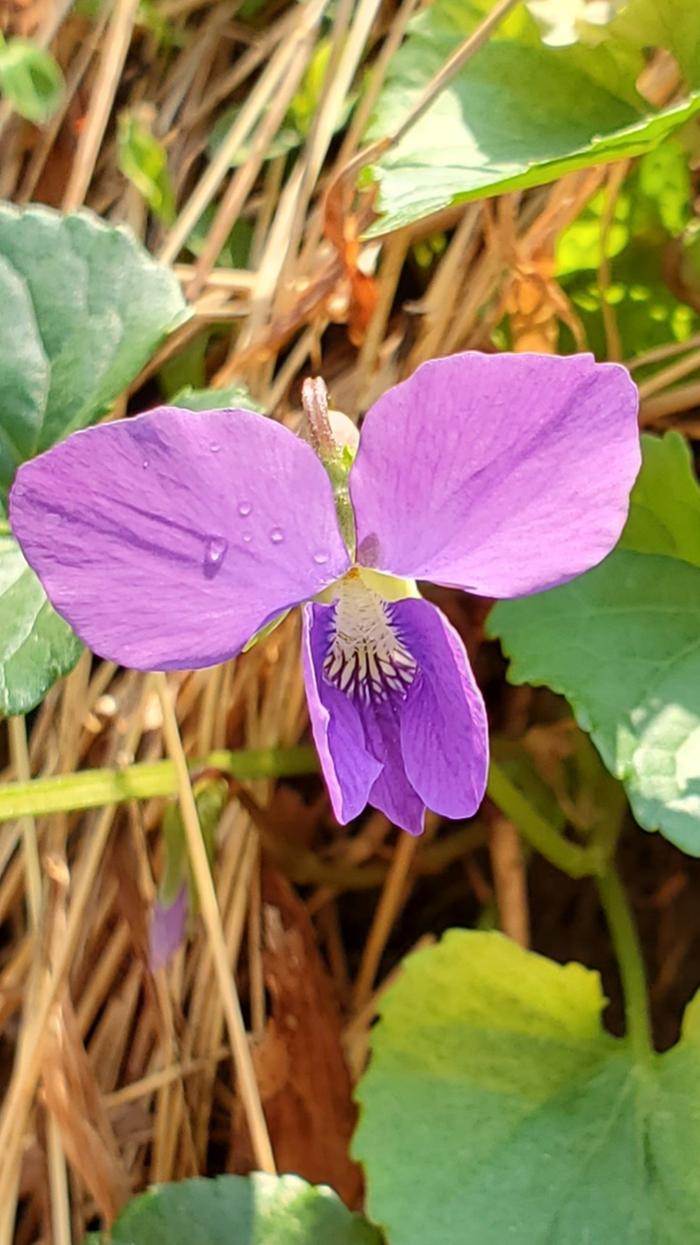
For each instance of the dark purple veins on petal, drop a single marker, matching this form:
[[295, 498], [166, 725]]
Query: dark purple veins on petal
[[416, 738]]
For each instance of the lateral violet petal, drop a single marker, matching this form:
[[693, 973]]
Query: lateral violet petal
[[348, 768], [500, 474], [444, 729], [169, 539]]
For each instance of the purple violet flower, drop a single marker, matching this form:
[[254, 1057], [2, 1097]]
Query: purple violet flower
[[168, 540]]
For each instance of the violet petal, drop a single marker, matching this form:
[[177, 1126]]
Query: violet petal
[[392, 792], [167, 540], [444, 730], [348, 767], [167, 930], [501, 474], [427, 747]]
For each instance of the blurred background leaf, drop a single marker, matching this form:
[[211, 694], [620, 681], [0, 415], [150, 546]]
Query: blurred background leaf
[[30, 79]]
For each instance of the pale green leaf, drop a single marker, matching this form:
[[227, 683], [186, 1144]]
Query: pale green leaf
[[30, 79], [497, 1109], [142, 158], [238, 1210], [228, 398]]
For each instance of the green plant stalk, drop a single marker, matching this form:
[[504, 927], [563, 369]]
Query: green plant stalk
[[95, 788], [576, 860], [579, 861], [628, 953]]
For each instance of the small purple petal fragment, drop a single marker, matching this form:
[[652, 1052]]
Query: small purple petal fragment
[[168, 540], [167, 932], [403, 751], [501, 474], [348, 767]]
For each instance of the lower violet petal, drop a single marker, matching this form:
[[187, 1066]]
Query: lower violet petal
[[396, 715], [392, 791]]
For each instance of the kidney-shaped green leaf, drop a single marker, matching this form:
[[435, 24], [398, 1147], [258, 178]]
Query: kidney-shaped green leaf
[[497, 1109], [84, 307], [494, 127], [241, 1210]]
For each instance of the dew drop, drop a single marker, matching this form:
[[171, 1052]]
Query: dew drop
[[214, 447], [247, 538], [277, 535], [320, 558], [214, 553], [244, 509], [145, 463]]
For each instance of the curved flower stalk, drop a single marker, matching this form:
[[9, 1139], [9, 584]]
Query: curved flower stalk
[[168, 540]]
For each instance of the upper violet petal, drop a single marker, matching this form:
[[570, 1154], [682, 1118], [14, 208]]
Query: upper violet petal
[[501, 474], [348, 767], [168, 539], [444, 729]]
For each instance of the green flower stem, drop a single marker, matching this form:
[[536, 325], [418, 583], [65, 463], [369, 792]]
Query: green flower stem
[[94, 788], [573, 858], [625, 939]]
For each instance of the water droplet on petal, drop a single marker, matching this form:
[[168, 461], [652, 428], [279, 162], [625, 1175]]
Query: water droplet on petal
[[214, 447], [277, 535], [244, 509], [320, 558], [214, 552], [145, 463], [247, 538]]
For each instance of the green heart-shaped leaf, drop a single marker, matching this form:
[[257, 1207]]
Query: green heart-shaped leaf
[[622, 643], [497, 1109]]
